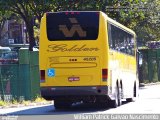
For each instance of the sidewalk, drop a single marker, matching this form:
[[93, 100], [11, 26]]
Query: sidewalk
[[148, 84]]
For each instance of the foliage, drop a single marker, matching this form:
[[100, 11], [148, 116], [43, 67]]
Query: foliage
[[39, 99], [28, 11], [69, 5], [24, 102], [22, 10], [148, 28], [4, 15], [3, 103], [140, 15], [14, 101]]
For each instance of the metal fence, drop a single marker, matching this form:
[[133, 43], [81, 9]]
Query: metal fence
[[19, 75], [149, 71]]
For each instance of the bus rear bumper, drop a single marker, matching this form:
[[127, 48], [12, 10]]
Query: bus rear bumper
[[51, 93]]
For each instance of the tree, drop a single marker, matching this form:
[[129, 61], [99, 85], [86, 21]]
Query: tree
[[2, 22], [131, 13], [142, 16], [29, 11], [4, 15], [148, 29], [21, 9], [79, 5]]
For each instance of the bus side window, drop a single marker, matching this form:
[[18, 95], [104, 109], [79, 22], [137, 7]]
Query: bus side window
[[131, 49], [120, 40], [110, 36]]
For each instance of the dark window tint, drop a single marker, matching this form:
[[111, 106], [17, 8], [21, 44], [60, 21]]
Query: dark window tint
[[121, 40], [72, 26]]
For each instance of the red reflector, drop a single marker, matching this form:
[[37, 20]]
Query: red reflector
[[66, 13], [104, 71], [42, 72], [77, 13], [104, 74]]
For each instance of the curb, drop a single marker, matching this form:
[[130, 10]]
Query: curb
[[28, 105], [148, 84]]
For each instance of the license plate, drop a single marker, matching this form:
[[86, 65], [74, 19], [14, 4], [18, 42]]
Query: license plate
[[71, 79]]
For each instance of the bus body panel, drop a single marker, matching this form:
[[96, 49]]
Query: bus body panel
[[126, 72], [85, 68], [79, 59]]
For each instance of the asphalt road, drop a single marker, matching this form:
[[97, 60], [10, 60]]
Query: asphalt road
[[147, 103]]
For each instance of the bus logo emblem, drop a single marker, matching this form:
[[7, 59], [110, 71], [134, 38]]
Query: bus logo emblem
[[75, 28]]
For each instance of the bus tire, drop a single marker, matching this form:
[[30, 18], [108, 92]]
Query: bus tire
[[60, 104], [102, 102], [134, 95], [129, 99], [118, 101], [113, 103], [119, 97]]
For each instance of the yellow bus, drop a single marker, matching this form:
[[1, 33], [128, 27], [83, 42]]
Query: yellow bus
[[86, 57]]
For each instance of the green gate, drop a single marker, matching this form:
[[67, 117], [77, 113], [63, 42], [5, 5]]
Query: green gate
[[149, 71], [19, 77]]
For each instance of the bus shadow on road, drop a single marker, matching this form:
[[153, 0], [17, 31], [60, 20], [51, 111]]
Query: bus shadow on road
[[50, 110]]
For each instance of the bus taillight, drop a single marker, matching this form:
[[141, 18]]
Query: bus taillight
[[42, 77], [104, 74]]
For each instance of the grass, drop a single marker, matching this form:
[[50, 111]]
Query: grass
[[24, 102], [147, 81], [39, 99], [3, 103]]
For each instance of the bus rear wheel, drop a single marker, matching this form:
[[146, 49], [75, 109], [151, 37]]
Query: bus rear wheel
[[118, 100], [102, 102], [134, 95]]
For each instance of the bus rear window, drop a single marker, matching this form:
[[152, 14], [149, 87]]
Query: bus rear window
[[72, 26]]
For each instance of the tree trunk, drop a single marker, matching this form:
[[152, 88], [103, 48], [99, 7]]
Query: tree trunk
[[0, 37], [1, 28], [30, 31]]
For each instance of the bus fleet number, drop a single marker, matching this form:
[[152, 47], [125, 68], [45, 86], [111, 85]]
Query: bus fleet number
[[90, 59]]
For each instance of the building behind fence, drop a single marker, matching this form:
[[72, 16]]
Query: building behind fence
[[19, 75]]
